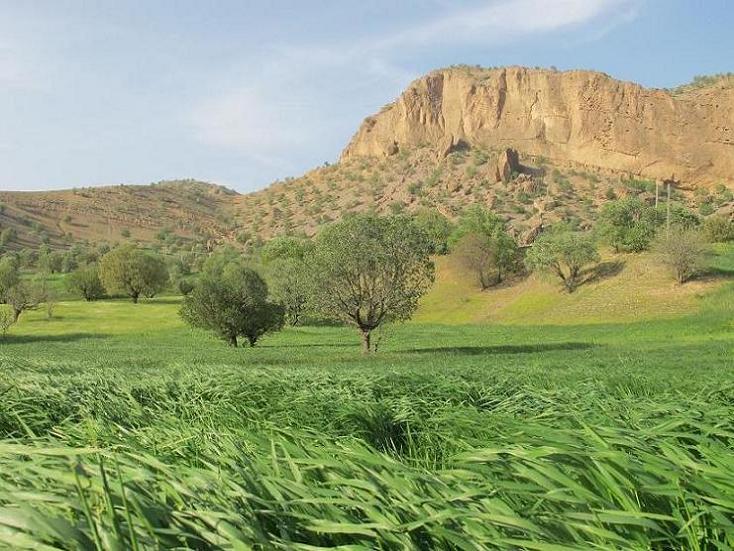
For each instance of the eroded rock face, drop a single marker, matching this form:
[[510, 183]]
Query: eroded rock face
[[577, 116]]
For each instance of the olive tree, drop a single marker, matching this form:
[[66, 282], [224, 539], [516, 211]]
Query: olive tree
[[233, 303], [133, 272], [86, 282], [285, 268], [482, 244], [682, 251], [564, 253], [23, 296], [366, 270]]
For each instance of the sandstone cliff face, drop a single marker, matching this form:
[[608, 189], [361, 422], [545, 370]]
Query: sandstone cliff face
[[574, 116]]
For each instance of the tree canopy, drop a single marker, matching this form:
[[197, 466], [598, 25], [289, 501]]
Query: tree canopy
[[564, 253], [233, 303], [133, 272], [367, 270]]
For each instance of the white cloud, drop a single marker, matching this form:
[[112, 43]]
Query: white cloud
[[302, 94]]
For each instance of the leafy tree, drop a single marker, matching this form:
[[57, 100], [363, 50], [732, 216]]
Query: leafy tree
[[86, 282], [6, 321], [490, 240], [233, 304], [628, 224], [437, 227], [9, 274], [564, 253], [7, 235], [683, 251], [718, 229], [367, 270], [133, 272], [23, 296], [286, 271]]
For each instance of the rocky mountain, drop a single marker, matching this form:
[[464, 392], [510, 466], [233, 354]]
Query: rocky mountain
[[572, 116], [534, 145]]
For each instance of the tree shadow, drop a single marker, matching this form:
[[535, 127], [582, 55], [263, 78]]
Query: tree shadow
[[354, 344], [604, 270], [69, 337], [504, 348]]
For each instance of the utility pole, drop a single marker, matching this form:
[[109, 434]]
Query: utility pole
[[667, 204]]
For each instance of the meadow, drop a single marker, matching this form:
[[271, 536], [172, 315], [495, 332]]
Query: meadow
[[121, 428]]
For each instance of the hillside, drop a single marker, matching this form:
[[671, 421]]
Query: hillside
[[186, 208], [534, 145]]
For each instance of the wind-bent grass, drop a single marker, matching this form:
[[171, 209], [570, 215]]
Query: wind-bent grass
[[143, 434]]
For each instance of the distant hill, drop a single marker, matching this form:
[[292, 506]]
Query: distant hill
[[534, 145]]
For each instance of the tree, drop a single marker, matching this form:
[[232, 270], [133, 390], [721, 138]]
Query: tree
[[564, 253], [233, 304], [86, 282], [437, 227], [286, 272], [9, 274], [366, 270], [628, 224], [23, 296], [682, 251], [483, 233], [6, 321], [718, 229], [133, 272]]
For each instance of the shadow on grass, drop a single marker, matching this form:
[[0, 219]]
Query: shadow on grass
[[69, 337], [504, 348], [354, 344], [604, 270]]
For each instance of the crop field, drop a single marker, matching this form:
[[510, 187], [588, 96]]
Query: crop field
[[123, 429]]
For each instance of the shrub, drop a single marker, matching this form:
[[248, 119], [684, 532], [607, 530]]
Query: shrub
[[718, 229], [86, 282], [682, 251]]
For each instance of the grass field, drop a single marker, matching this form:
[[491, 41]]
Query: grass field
[[120, 428]]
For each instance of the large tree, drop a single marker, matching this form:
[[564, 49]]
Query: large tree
[[367, 270], [564, 253], [133, 272], [232, 302]]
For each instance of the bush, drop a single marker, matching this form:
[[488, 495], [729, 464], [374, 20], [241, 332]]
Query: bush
[[718, 229], [628, 225], [86, 282], [682, 251]]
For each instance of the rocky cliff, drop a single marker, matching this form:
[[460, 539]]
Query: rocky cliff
[[574, 116]]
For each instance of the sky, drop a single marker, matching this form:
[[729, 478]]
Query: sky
[[244, 92]]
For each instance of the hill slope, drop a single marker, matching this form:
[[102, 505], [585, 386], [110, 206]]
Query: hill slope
[[578, 139]]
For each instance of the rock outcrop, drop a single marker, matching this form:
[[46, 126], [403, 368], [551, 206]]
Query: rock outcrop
[[574, 116]]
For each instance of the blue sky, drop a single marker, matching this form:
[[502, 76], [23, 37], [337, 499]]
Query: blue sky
[[244, 92]]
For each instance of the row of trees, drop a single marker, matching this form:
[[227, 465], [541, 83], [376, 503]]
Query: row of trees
[[363, 271]]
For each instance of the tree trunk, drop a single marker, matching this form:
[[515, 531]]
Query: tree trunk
[[135, 298], [252, 341], [233, 340], [16, 314], [366, 345]]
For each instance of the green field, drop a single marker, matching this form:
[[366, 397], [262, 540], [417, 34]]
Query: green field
[[120, 428]]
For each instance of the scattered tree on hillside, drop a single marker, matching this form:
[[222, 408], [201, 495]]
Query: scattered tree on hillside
[[233, 304], [86, 282], [133, 272], [367, 270], [483, 245], [437, 227], [628, 224], [718, 229], [682, 251], [564, 253]]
